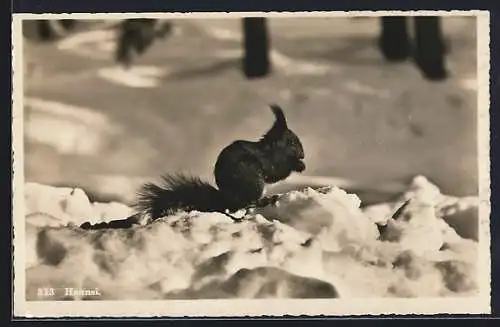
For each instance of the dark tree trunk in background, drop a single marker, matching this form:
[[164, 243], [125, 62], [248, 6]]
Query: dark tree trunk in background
[[45, 31], [135, 36], [69, 24], [394, 41], [138, 35], [256, 47], [48, 30], [429, 47], [31, 29]]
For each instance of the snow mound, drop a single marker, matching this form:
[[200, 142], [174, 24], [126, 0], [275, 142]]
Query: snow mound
[[310, 244]]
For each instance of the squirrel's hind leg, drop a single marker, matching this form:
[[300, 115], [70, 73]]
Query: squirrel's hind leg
[[235, 219], [261, 203]]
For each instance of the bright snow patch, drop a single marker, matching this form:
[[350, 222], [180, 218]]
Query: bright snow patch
[[310, 245]]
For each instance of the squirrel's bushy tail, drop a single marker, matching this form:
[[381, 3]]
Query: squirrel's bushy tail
[[178, 192]]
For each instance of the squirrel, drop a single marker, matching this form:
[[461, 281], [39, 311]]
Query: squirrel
[[242, 171]]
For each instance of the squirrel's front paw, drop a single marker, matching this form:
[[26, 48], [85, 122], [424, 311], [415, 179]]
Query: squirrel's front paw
[[240, 214], [300, 166], [268, 200]]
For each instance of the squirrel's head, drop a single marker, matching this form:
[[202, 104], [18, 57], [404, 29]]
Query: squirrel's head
[[282, 138]]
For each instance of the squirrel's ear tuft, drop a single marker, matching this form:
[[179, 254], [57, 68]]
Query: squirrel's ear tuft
[[280, 116], [279, 126]]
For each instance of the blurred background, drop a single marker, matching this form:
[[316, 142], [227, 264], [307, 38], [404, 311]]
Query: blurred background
[[91, 123]]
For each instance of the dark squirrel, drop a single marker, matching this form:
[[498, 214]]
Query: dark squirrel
[[242, 171]]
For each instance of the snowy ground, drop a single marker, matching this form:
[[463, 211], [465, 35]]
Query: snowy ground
[[359, 117], [311, 245]]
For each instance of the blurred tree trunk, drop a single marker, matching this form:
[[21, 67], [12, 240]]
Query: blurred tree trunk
[[429, 47], [135, 36], [47, 30], [394, 41], [256, 47], [69, 24]]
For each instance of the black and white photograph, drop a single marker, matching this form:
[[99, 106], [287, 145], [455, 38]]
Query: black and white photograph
[[246, 164]]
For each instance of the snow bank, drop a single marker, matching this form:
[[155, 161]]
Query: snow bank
[[311, 244]]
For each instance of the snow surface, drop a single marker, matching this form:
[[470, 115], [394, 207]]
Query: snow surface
[[309, 245]]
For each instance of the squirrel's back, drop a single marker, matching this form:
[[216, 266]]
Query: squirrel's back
[[238, 173]]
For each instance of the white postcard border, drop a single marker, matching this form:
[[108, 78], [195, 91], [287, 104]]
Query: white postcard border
[[237, 307]]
